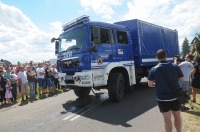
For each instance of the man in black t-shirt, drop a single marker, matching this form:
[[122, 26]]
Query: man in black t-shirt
[[48, 77]]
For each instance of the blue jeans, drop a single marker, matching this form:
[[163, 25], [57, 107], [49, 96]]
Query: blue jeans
[[32, 89], [49, 82], [41, 82]]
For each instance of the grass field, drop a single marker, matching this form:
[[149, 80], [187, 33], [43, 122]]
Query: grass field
[[191, 118]]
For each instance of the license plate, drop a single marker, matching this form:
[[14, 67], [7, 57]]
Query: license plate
[[69, 77]]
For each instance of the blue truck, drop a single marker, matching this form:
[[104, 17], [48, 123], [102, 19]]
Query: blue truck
[[97, 55]]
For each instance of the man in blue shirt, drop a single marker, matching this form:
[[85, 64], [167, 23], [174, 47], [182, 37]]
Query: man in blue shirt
[[166, 97]]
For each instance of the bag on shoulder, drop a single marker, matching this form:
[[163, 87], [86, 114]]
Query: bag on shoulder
[[182, 96]]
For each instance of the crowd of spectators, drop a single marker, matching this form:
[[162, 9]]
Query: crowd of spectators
[[191, 70], [26, 82]]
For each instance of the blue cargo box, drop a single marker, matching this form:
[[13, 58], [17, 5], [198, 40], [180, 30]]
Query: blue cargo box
[[147, 38]]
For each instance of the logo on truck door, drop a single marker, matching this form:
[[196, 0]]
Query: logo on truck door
[[120, 51]]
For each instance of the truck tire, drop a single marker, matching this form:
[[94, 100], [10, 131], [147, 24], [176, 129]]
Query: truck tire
[[82, 92], [116, 87]]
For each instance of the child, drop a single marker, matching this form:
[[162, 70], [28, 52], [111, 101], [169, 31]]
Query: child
[[8, 94]]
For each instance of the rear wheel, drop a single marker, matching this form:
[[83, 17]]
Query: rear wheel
[[82, 92], [116, 87]]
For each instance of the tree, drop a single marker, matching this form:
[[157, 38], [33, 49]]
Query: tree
[[196, 45], [185, 47], [198, 35]]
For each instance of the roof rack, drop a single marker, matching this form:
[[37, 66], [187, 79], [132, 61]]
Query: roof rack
[[82, 19]]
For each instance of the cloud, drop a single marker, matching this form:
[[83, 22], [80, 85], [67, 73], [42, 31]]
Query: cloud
[[102, 8], [57, 28], [20, 39]]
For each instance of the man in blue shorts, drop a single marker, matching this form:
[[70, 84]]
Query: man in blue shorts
[[166, 97]]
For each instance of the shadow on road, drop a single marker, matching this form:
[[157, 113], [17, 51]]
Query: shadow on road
[[132, 106]]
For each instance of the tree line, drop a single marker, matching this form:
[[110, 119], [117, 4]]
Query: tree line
[[196, 46]]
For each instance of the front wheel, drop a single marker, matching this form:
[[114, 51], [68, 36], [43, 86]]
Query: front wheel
[[116, 87], [82, 92]]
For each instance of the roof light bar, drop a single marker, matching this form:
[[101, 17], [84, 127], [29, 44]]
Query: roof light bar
[[76, 21]]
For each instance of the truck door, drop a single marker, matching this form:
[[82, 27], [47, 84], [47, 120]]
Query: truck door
[[123, 46], [102, 41]]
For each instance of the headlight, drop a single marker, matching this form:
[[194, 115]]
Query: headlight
[[87, 77]]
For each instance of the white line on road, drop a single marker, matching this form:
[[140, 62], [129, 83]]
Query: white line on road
[[66, 118], [77, 114]]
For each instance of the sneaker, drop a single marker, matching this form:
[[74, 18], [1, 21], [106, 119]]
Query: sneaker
[[194, 100]]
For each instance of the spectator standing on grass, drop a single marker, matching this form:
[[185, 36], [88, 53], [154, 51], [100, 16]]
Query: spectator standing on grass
[[186, 68], [23, 82], [2, 86], [40, 77], [8, 75], [31, 81], [166, 97], [8, 94], [14, 84], [195, 78], [55, 75], [48, 77], [34, 69]]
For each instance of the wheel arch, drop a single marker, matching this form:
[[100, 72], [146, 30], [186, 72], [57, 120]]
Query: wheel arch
[[124, 73]]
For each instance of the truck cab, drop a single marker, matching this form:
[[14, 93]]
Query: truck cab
[[87, 52]]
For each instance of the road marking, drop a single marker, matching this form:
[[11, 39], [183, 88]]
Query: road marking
[[66, 118], [79, 113]]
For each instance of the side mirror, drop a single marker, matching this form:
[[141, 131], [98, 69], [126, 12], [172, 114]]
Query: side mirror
[[53, 40], [96, 35], [56, 47]]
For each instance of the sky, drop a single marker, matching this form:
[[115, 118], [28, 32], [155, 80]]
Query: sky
[[27, 26]]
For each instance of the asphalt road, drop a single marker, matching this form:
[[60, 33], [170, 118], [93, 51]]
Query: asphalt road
[[137, 112]]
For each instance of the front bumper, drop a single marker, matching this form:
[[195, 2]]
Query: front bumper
[[79, 79]]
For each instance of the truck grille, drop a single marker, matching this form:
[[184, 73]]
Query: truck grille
[[71, 63], [69, 81]]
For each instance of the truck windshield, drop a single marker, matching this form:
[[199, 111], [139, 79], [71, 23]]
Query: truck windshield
[[73, 39]]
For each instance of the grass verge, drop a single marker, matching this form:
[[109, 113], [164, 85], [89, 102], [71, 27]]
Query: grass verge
[[43, 96], [191, 118]]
